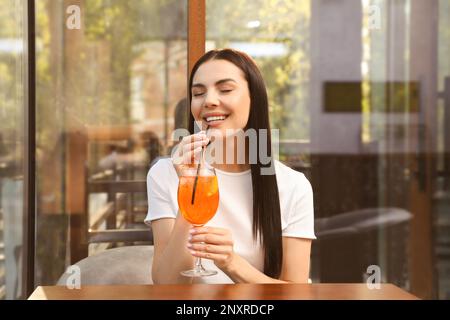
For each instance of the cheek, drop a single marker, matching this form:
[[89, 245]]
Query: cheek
[[243, 112], [195, 110], [246, 114]]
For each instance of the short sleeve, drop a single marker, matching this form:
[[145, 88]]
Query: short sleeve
[[301, 218], [159, 184]]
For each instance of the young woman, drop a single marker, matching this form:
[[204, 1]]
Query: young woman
[[263, 227]]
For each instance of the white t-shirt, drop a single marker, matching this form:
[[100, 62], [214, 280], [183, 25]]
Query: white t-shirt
[[235, 211]]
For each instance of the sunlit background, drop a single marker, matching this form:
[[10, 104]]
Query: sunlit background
[[360, 91]]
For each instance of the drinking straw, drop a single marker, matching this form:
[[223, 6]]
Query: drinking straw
[[198, 171]]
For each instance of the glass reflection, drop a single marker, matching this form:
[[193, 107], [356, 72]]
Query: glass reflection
[[12, 83], [352, 88], [107, 94]]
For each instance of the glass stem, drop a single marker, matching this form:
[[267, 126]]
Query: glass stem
[[198, 268], [198, 265]]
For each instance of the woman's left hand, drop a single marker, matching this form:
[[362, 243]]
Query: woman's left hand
[[212, 243]]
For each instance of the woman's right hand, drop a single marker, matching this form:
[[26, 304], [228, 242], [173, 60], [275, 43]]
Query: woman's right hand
[[188, 151]]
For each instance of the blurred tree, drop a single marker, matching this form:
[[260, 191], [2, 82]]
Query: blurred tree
[[83, 79], [11, 64], [94, 71], [284, 22]]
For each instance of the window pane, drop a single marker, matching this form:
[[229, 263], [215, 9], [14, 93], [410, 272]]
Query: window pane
[[358, 94], [442, 195], [108, 85], [12, 83]]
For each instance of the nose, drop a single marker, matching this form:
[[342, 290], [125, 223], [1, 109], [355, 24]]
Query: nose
[[211, 99]]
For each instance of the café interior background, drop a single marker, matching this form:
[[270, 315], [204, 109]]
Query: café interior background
[[360, 91]]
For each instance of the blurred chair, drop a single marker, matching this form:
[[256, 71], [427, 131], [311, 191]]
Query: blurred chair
[[122, 211], [120, 221], [359, 221], [350, 242], [118, 266]]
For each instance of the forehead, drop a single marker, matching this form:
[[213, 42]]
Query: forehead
[[214, 70]]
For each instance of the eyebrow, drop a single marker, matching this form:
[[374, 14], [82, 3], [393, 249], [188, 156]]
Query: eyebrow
[[199, 85]]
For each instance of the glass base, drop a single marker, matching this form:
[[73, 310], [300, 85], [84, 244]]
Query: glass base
[[198, 273]]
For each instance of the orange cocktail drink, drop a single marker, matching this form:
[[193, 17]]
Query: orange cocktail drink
[[203, 207]]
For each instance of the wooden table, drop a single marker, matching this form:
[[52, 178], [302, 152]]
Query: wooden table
[[225, 292]]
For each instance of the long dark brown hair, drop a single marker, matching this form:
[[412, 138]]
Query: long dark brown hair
[[266, 203]]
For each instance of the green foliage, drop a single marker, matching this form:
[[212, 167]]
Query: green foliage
[[284, 22], [11, 18], [11, 67], [89, 84]]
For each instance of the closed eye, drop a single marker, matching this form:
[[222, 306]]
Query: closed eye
[[202, 93]]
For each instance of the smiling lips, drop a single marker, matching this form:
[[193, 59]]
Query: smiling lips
[[215, 119]]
